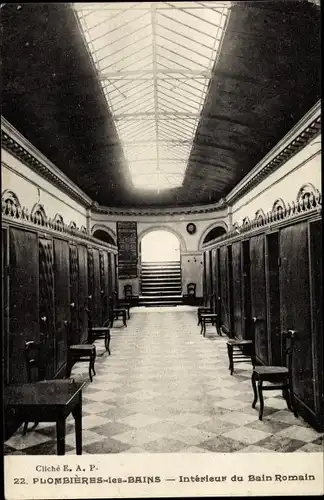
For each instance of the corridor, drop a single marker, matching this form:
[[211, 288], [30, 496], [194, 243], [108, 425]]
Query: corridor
[[165, 388]]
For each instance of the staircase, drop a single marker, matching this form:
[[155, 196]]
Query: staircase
[[161, 284]]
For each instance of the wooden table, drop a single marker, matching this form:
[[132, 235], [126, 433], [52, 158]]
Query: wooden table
[[48, 401]]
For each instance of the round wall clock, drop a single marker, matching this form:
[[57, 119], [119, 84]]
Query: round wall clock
[[191, 228]]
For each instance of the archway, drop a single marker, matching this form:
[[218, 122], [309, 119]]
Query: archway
[[161, 283], [160, 246]]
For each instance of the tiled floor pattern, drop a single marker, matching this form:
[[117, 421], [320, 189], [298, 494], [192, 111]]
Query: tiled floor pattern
[[165, 388]]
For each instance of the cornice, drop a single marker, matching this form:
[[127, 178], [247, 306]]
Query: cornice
[[296, 139], [134, 212], [17, 145]]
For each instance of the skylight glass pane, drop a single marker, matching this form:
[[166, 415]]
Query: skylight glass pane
[[154, 61]]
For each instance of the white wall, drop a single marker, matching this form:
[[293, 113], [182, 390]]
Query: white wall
[[191, 254], [31, 188], [302, 168]]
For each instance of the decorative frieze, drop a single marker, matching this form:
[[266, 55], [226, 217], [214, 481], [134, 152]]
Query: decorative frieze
[[12, 211], [308, 201]]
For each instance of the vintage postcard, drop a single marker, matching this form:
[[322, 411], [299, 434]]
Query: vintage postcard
[[161, 249]]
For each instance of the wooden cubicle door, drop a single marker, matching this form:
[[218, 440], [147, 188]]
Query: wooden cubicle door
[[61, 299], [46, 303], [258, 296], [4, 300], [74, 295], [237, 289], [246, 290], [316, 276], [295, 306], [273, 297], [224, 278], [96, 296], [23, 299], [83, 292], [104, 285]]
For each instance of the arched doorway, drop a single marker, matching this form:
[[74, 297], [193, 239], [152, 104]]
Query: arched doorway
[[160, 254]]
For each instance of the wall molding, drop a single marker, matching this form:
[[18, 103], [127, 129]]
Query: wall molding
[[15, 215], [17, 145], [293, 142], [281, 214]]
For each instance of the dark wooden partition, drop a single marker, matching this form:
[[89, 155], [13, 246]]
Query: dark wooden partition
[[83, 292], [316, 279], [295, 306], [48, 272], [225, 299], [74, 295], [258, 296], [23, 299], [46, 303], [237, 292], [271, 269], [61, 299]]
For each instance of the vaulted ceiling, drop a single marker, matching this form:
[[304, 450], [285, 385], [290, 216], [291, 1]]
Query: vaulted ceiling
[[261, 75]]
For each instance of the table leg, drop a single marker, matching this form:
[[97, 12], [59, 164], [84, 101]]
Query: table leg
[[77, 414], [60, 436]]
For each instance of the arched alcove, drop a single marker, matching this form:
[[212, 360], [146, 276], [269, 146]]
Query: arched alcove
[[103, 236], [211, 233]]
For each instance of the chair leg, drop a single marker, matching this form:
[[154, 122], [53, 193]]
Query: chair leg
[[90, 374], [230, 357], [291, 397], [25, 428], [107, 342], [261, 399], [255, 392], [69, 366], [124, 318], [93, 359]]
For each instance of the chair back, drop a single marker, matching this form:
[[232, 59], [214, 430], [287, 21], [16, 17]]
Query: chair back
[[128, 291], [191, 290], [35, 361], [287, 348]]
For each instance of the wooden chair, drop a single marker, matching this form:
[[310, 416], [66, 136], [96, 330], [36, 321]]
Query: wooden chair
[[208, 318], [240, 350], [99, 332], [83, 353], [117, 311], [279, 376], [35, 361], [203, 310]]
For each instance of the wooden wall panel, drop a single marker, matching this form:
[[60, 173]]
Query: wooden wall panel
[[214, 279], [225, 309], [316, 257], [246, 291], [23, 299], [104, 285], [61, 299], [208, 279], [96, 297], [273, 297], [83, 292], [5, 300], [46, 303], [110, 277], [258, 296], [295, 306], [237, 289], [74, 295]]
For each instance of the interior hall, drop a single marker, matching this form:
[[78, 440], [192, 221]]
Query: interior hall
[[161, 227]]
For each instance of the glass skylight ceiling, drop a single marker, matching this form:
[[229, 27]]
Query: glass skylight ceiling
[[154, 61]]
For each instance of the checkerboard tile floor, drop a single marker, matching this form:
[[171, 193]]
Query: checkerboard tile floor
[[165, 388]]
